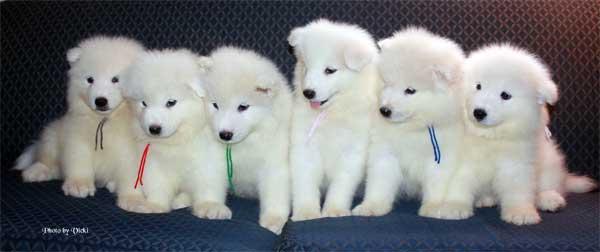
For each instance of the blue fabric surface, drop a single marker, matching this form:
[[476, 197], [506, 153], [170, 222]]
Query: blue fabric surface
[[28, 208], [572, 229]]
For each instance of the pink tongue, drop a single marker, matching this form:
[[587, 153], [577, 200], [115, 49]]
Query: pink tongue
[[315, 105]]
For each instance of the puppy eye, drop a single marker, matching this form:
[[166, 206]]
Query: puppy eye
[[243, 107], [90, 80], [115, 79], [505, 96], [171, 103], [144, 104], [330, 70], [410, 91], [478, 86], [215, 105]]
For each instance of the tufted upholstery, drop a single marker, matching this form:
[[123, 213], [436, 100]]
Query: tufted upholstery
[[35, 36], [28, 208], [573, 229]]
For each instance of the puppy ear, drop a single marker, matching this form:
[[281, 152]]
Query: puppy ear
[[384, 43], [264, 90], [267, 86], [198, 87], [357, 57], [547, 92], [295, 36], [441, 77], [204, 63], [73, 55]]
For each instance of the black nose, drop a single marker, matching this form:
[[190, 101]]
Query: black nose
[[385, 112], [479, 114], [101, 102], [226, 135], [155, 129], [309, 93]]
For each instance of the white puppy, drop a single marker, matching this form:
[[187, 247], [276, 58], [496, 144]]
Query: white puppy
[[505, 147], [163, 89], [250, 105], [335, 83], [415, 142], [92, 141]]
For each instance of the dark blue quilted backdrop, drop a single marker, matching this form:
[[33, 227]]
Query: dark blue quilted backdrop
[[36, 35]]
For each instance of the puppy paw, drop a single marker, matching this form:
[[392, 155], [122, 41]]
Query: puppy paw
[[79, 188], [38, 172], [138, 204], [273, 222], [550, 201], [371, 209], [455, 211], [212, 210], [431, 210], [306, 213], [486, 201], [111, 186], [521, 215], [182, 200], [332, 211]]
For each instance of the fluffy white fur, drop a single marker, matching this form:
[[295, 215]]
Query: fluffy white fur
[[421, 73], [249, 98], [67, 146], [507, 157], [162, 87], [337, 62]]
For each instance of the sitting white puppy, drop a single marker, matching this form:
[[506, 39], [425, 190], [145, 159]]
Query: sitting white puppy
[[415, 143], [163, 89], [250, 106], [335, 83], [506, 153], [92, 142]]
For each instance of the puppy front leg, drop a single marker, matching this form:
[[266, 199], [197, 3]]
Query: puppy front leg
[[159, 188], [274, 192], [551, 174], [515, 187], [307, 174], [458, 202], [383, 180], [78, 162], [208, 184], [340, 193], [130, 198]]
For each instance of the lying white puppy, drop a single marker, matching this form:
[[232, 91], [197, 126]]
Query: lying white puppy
[[335, 83], [92, 142], [163, 89], [416, 141], [250, 107], [506, 153]]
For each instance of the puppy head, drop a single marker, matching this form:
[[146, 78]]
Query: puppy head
[[96, 67], [163, 88], [505, 86], [333, 55], [418, 69], [241, 88]]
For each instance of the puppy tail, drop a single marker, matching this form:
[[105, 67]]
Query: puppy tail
[[26, 159], [579, 184]]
